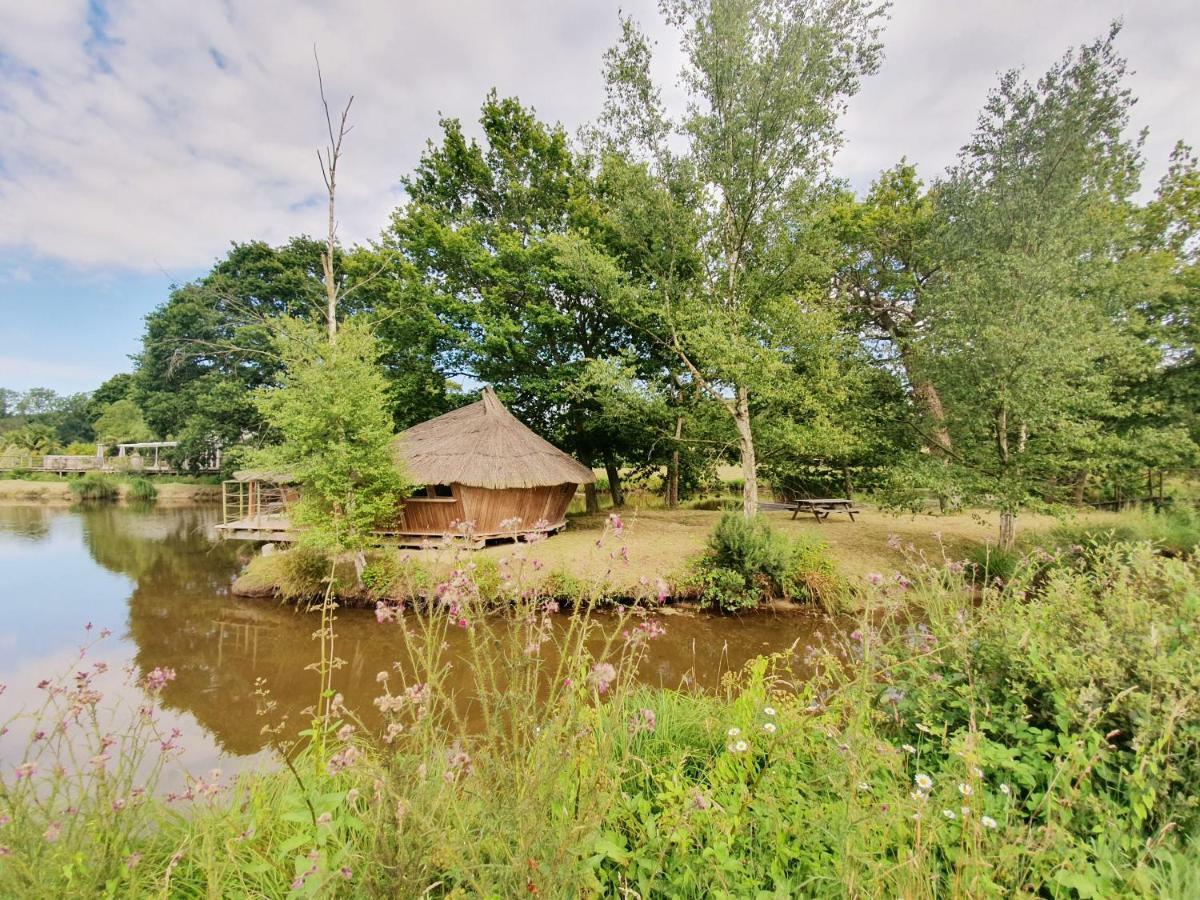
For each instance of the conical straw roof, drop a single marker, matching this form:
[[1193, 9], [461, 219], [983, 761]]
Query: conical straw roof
[[484, 445]]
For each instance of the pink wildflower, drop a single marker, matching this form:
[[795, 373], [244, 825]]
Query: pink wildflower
[[602, 676]]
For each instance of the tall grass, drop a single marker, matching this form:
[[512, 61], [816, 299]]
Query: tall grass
[[95, 486], [141, 490], [1036, 738]]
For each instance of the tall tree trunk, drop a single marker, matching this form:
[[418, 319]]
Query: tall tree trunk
[[1007, 526], [1008, 529], [741, 418], [591, 503], [1081, 486], [614, 481], [929, 400], [673, 468], [849, 484]]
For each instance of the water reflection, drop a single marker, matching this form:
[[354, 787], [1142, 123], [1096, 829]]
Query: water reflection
[[163, 584]]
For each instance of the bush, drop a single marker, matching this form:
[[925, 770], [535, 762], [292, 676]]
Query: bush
[[141, 490], [746, 560], [990, 562], [95, 486], [1175, 531]]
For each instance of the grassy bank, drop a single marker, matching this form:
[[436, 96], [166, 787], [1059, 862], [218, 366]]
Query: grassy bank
[[1036, 738], [659, 547], [59, 491]]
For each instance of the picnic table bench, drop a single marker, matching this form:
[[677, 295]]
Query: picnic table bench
[[820, 507]]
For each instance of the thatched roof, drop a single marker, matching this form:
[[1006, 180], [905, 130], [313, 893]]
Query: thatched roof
[[484, 445]]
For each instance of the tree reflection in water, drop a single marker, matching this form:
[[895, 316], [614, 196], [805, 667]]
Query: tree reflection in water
[[182, 615]]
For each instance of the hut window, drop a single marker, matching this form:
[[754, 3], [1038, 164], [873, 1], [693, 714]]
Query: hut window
[[434, 491]]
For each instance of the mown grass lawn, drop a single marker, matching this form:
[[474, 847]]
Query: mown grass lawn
[[661, 542]]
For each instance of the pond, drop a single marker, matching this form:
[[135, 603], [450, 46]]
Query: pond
[[160, 581]]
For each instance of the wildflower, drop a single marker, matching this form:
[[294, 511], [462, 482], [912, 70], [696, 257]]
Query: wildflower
[[132, 860], [893, 696], [734, 732], [977, 772], [352, 795], [26, 770], [768, 710], [158, 678], [908, 748], [347, 873], [921, 726], [381, 677], [663, 591], [345, 731], [617, 525], [965, 789], [856, 635], [99, 760], [384, 612], [602, 675], [949, 814], [769, 727], [863, 786], [645, 720], [923, 781], [987, 821], [739, 747], [324, 818], [298, 883], [1005, 789], [52, 832], [966, 811], [118, 804]]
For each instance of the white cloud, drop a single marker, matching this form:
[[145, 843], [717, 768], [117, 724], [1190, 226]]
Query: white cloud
[[150, 135]]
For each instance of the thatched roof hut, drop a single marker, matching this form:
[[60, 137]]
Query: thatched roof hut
[[481, 465]]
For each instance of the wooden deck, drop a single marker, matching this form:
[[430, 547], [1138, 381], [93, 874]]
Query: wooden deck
[[265, 529]]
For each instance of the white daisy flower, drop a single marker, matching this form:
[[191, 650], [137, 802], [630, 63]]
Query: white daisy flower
[[987, 821], [769, 711], [734, 732], [923, 781], [769, 727], [949, 814]]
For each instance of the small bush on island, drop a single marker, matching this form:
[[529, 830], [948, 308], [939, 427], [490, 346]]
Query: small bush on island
[[1039, 737], [746, 561], [141, 490], [95, 486]]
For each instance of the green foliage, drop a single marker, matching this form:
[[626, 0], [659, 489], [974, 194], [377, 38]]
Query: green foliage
[[1040, 738], [1175, 531], [95, 486], [122, 422], [746, 561], [330, 413], [141, 490]]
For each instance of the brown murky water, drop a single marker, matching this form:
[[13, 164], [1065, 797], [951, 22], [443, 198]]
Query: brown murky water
[[160, 582]]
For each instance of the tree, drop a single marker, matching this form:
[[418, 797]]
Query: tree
[[887, 259], [122, 423], [495, 235], [209, 346], [767, 82], [331, 415], [1022, 335]]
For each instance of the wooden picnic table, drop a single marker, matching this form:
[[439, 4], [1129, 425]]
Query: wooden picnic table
[[820, 507]]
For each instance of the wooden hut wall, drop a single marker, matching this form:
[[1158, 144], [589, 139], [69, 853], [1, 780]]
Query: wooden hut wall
[[429, 515], [488, 507]]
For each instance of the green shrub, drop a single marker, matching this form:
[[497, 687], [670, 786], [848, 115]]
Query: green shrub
[[141, 490], [303, 572], [1175, 531], [95, 486], [562, 585], [989, 562], [747, 560]]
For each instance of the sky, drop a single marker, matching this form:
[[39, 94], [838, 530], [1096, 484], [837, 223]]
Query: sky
[[137, 140]]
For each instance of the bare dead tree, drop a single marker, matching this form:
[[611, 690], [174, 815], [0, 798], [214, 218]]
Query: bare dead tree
[[329, 163]]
